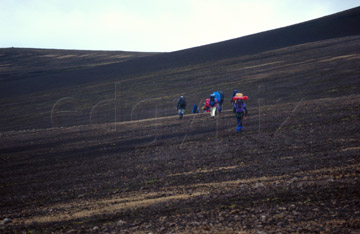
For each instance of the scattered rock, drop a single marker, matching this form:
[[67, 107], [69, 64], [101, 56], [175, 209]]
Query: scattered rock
[[172, 224], [233, 212], [96, 228], [260, 232], [300, 184], [121, 222], [200, 216], [293, 179], [195, 223], [243, 186], [7, 221], [259, 185], [148, 226]]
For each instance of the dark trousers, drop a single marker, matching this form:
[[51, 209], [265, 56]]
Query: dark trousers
[[239, 117], [239, 121]]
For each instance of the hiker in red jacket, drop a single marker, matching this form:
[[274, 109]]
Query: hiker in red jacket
[[206, 106]]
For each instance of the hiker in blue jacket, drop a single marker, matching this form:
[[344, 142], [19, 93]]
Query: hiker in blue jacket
[[181, 106], [219, 95], [240, 110]]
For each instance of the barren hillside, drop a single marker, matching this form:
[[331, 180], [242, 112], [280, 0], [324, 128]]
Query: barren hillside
[[90, 141]]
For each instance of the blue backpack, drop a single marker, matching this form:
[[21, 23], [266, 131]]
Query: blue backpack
[[195, 109], [217, 95], [182, 103]]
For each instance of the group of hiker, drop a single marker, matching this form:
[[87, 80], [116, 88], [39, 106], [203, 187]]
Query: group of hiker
[[214, 103]]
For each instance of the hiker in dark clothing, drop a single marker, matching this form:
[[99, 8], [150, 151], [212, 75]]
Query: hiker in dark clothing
[[219, 95], [234, 93], [240, 110], [195, 109], [213, 105], [181, 106]]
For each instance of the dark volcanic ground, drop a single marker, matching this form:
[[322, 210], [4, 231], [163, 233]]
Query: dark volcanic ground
[[70, 163], [294, 169], [315, 70]]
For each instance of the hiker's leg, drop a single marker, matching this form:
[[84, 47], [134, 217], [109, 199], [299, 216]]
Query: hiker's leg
[[239, 117], [238, 126], [212, 111], [239, 121]]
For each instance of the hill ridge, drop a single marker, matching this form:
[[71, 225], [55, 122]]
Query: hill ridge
[[340, 24]]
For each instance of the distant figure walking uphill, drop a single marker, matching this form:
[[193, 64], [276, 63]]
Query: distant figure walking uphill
[[240, 109], [213, 105], [195, 109], [181, 106], [206, 106], [219, 95], [232, 98]]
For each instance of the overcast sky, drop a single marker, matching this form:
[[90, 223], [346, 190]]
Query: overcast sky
[[149, 25]]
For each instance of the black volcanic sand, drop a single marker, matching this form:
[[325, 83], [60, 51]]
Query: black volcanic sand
[[315, 70], [23, 63], [294, 169]]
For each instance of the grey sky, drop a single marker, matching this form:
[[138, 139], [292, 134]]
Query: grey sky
[[149, 25]]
